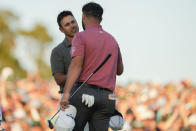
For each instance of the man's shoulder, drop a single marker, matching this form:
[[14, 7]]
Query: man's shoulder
[[59, 47], [82, 33], [107, 33]]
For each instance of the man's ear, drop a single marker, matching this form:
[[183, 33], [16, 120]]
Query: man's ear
[[61, 29], [100, 19], [83, 16]]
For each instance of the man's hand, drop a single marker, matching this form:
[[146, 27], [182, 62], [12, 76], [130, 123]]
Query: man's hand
[[64, 101]]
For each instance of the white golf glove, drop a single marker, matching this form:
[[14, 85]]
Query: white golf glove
[[88, 100]]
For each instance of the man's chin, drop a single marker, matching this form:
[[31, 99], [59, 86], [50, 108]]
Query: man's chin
[[71, 34]]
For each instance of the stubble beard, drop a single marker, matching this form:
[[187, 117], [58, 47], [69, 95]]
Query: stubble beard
[[73, 31]]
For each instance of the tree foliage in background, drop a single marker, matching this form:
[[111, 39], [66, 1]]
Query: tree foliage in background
[[8, 34], [7, 43], [40, 34]]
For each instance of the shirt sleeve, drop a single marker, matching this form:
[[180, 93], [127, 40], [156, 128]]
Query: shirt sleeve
[[56, 62], [77, 48]]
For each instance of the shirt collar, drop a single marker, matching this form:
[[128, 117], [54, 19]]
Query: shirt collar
[[67, 44], [94, 26]]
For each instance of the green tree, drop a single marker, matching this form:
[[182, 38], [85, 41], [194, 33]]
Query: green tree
[[7, 43], [8, 34], [40, 34]]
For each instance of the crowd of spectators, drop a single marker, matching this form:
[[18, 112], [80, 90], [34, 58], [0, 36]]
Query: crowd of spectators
[[28, 103], [158, 107]]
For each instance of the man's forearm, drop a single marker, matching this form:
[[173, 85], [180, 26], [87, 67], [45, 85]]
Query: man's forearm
[[73, 73], [120, 68], [60, 78]]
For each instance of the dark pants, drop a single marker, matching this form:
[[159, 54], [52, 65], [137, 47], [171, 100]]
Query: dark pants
[[99, 114]]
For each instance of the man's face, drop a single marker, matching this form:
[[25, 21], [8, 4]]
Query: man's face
[[69, 26]]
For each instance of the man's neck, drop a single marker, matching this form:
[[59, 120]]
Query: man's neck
[[69, 39], [92, 22]]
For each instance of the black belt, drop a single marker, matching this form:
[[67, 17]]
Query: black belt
[[92, 86]]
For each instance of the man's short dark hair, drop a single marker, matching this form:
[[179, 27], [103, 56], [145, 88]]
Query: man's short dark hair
[[63, 14], [93, 9]]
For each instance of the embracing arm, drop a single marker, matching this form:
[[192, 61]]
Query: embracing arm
[[57, 66], [73, 73], [60, 78], [120, 67]]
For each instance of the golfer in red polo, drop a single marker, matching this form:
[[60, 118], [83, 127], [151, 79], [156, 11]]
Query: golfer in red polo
[[94, 102]]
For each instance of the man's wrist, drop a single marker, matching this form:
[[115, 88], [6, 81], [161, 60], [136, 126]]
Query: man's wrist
[[66, 93]]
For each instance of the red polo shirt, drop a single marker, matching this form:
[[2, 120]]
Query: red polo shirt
[[95, 44]]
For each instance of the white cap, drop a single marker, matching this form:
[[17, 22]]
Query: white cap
[[6, 72], [192, 119], [19, 113], [65, 120], [116, 121], [144, 112]]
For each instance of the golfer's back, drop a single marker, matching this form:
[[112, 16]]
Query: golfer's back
[[95, 44]]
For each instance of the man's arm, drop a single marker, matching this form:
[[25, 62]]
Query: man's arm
[[57, 67], [120, 67], [74, 72], [60, 78], [75, 69]]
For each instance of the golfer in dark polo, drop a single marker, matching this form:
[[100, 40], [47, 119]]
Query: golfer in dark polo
[[89, 48], [60, 56]]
